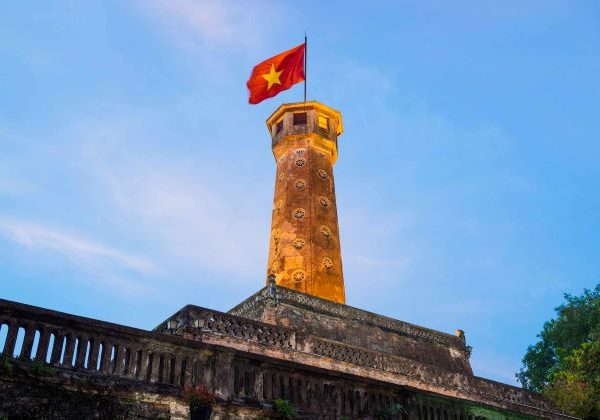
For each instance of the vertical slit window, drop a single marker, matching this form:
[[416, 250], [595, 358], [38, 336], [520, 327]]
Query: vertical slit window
[[86, 356], [36, 344], [3, 335], [19, 343], [50, 349], [63, 349], [100, 356], [113, 358], [75, 349]]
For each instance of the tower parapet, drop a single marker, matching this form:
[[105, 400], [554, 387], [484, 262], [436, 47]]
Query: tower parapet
[[304, 250]]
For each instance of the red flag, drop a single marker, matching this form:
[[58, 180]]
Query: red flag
[[276, 74]]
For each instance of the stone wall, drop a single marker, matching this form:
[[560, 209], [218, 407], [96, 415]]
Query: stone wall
[[63, 366], [357, 328], [294, 345], [57, 364]]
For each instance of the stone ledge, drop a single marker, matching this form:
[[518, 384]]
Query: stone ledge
[[243, 335], [263, 297], [472, 389]]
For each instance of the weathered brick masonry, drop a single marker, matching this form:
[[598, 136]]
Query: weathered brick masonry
[[67, 366]]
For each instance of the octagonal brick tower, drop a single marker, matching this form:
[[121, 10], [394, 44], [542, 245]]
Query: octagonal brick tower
[[304, 250]]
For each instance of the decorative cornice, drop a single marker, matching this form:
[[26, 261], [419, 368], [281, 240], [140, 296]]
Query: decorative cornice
[[286, 344], [262, 298]]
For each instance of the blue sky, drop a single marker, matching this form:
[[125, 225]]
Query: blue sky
[[135, 178]]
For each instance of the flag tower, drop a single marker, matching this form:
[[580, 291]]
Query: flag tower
[[304, 250]]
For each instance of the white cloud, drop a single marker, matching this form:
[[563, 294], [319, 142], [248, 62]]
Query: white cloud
[[84, 251], [189, 216], [195, 23]]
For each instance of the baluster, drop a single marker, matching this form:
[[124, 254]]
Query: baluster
[[58, 346], [223, 380], [177, 361], [68, 355], [114, 365], [267, 385], [301, 391], [27, 341], [207, 371], [197, 372], [106, 353], [120, 354], [189, 364], [127, 361], [166, 376], [154, 370], [42, 350], [143, 365], [11, 339], [93, 356], [258, 384], [81, 351]]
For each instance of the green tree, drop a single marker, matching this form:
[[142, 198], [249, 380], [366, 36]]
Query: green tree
[[575, 383], [565, 363]]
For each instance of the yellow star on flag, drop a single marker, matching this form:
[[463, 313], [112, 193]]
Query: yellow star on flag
[[272, 77]]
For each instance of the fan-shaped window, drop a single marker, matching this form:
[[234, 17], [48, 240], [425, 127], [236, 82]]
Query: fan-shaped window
[[299, 243], [324, 202], [325, 231], [299, 214], [298, 275]]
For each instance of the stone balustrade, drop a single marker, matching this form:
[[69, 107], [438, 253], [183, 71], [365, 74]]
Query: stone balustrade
[[192, 321], [76, 343], [100, 349], [250, 363], [206, 320]]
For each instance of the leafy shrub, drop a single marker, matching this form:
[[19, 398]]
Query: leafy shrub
[[284, 409], [41, 369], [390, 412]]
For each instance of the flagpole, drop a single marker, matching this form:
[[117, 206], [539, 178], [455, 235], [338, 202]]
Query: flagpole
[[305, 54]]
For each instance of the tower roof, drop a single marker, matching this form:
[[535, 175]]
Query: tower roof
[[331, 113]]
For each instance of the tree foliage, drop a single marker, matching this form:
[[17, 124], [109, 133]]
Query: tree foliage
[[284, 409], [565, 363], [575, 384]]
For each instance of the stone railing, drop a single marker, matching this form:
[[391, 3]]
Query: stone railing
[[192, 321], [197, 345], [215, 322], [97, 349], [76, 343]]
